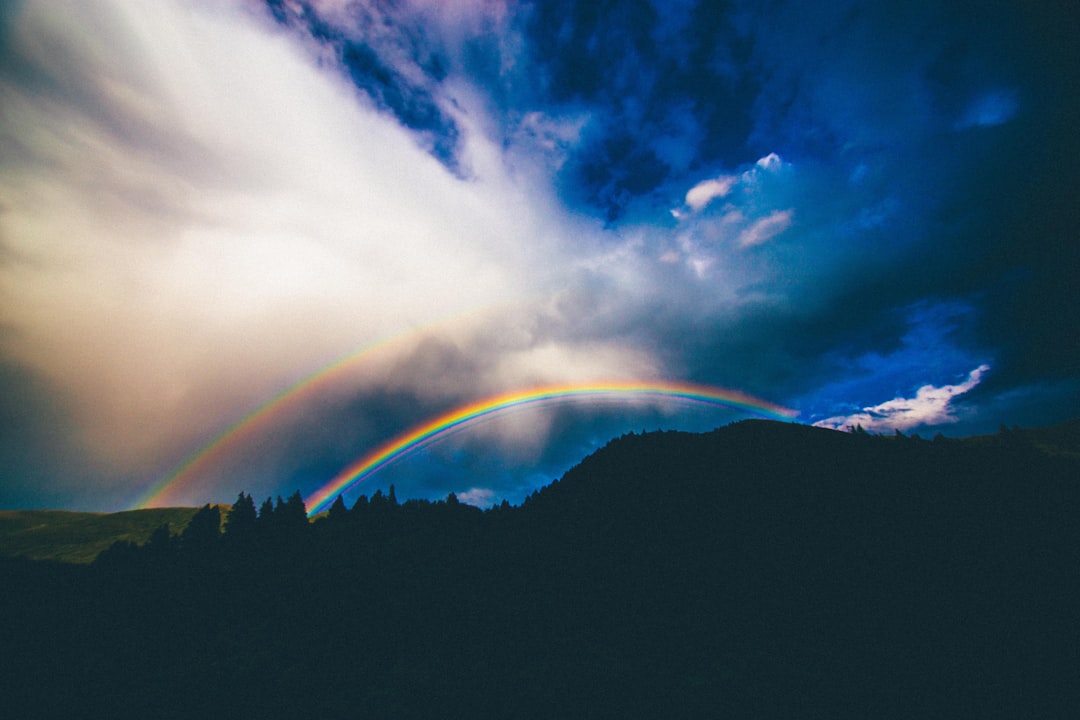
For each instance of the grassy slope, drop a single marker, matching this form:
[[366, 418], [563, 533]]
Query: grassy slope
[[78, 537]]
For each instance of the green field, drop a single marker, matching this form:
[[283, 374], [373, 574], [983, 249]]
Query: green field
[[78, 537]]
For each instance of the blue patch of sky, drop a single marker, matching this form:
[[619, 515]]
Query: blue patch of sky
[[934, 350]]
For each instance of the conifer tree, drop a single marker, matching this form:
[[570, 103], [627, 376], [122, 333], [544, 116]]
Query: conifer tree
[[241, 518], [292, 513], [338, 510], [203, 531]]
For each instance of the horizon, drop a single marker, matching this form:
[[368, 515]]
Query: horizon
[[248, 244], [350, 496]]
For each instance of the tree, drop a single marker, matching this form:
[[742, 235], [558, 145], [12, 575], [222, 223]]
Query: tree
[[161, 544], [204, 530], [241, 518], [338, 510], [121, 554], [291, 513]]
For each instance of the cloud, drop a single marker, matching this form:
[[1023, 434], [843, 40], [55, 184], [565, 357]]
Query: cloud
[[203, 203], [770, 163], [931, 406], [766, 228], [706, 191], [397, 57], [480, 497], [713, 232], [200, 213]]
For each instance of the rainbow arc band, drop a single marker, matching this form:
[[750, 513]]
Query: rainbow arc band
[[454, 420], [166, 490]]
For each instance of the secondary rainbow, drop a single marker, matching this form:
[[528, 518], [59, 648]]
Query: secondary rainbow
[[165, 491], [441, 426]]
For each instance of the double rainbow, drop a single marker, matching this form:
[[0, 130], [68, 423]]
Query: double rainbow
[[167, 490], [449, 422]]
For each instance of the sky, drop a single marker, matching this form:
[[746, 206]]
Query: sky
[[864, 212]]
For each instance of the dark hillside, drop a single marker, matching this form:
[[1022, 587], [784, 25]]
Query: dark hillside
[[761, 570], [80, 536], [891, 574]]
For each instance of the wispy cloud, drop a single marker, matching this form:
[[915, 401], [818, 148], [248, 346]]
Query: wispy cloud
[[931, 406], [766, 228]]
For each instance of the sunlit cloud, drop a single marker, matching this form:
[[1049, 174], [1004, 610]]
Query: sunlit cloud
[[931, 406], [254, 219], [706, 191], [766, 228]]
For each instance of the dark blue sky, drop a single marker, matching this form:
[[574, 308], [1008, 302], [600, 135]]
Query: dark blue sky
[[863, 211]]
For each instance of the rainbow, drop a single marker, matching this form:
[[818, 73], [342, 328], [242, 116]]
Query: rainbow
[[164, 492], [456, 419]]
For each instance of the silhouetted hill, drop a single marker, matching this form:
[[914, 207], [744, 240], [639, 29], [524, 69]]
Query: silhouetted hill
[[80, 536], [760, 570]]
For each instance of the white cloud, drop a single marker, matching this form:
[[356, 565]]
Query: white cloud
[[197, 212], [771, 163], [706, 191], [930, 406], [748, 216], [480, 497], [765, 228]]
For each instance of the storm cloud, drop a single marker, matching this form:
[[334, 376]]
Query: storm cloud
[[842, 208]]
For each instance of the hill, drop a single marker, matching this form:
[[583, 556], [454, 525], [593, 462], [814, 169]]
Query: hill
[[760, 570], [78, 537]]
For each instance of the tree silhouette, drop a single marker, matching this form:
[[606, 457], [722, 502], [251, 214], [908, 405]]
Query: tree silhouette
[[338, 511], [292, 513], [203, 531], [240, 522], [161, 545]]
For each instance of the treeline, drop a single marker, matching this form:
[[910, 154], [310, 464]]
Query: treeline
[[595, 493], [284, 527], [761, 570]]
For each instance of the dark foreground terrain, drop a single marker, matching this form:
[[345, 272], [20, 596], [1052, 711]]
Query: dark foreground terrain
[[80, 537], [761, 570]]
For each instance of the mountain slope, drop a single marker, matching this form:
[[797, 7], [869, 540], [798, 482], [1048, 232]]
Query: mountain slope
[[78, 537], [760, 570]]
